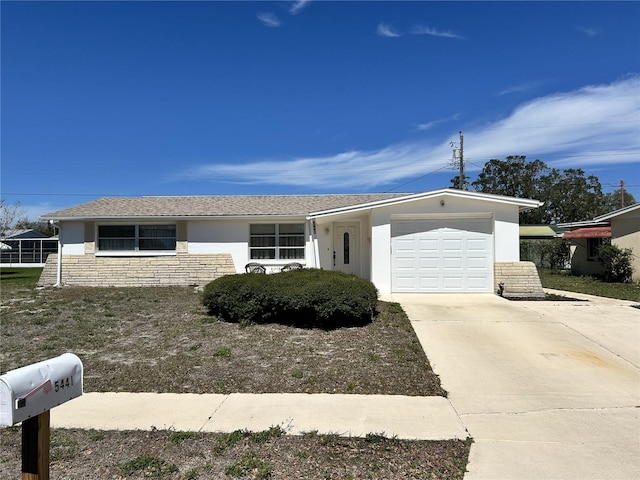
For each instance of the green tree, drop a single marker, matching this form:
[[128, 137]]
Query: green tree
[[455, 182], [612, 200], [514, 177], [569, 195]]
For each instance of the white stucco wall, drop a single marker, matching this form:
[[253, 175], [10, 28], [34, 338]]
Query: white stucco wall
[[221, 236], [232, 236], [72, 238]]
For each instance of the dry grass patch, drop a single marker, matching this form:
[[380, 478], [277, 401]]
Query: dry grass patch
[[97, 455], [160, 339]]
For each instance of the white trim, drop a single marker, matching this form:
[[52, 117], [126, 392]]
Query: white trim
[[583, 223], [523, 203], [617, 213], [440, 216], [131, 253]]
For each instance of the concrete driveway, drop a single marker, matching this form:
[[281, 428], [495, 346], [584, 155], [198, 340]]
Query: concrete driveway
[[548, 390]]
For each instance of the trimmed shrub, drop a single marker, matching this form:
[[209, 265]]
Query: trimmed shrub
[[307, 297], [616, 263]]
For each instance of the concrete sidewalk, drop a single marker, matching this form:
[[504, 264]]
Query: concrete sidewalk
[[548, 390], [424, 418]]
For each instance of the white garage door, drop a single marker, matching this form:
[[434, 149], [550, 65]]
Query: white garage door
[[442, 255]]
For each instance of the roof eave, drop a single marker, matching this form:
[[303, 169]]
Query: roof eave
[[86, 218], [522, 203], [617, 213]]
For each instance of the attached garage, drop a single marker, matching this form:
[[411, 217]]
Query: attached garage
[[446, 254]]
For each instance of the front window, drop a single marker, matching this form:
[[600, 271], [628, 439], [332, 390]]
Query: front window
[[593, 245], [279, 241], [135, 238]]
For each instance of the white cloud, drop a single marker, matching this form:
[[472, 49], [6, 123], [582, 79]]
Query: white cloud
[[523, 87], [589, 31], [385, 30], [298, 6], [593, 125], [269, 19], [421, 30], [433, 123]]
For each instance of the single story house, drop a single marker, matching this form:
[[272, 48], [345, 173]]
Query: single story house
[[620, 227], [584, 244], [438, 241]]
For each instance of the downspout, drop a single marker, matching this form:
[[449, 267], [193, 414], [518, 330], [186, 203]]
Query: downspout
[[314, 241], [59, 264]]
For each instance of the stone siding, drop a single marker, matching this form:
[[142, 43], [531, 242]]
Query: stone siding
[[180, 269], [520, 279]]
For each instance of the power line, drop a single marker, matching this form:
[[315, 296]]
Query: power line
[[416, 179]]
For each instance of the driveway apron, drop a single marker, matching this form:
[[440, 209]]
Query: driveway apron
[[548, 390]]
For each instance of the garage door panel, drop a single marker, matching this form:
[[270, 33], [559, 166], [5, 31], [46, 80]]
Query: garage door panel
[[476, 263], [453, 283], [426, 245], [405, 244], [452, 263], [477, 244], [476, 283], [427, 264], [442, 255], [428, 283], [452, 244]]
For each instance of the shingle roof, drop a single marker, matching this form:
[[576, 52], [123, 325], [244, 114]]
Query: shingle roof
[[215, 206]]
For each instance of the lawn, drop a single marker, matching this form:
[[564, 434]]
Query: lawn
[[562, 280], [161, 340]]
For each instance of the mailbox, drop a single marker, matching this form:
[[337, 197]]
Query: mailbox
[[29, 391]]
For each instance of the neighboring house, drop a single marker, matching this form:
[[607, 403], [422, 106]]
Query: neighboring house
[[584, 244], [439, 241], [620, 228], [26, 248]]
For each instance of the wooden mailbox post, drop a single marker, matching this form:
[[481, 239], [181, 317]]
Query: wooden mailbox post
[[27, 394]]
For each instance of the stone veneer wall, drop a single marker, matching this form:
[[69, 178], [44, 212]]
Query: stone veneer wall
[[180, 269], [520, 279]]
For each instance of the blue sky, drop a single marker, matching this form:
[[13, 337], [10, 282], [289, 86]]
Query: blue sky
[[206, 98]]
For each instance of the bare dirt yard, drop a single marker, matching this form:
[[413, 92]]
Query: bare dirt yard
[[162, 340]]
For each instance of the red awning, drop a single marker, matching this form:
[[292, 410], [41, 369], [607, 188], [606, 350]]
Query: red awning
[[593, 232]]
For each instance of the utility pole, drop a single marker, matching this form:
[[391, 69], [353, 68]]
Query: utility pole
[[458, 160], [461, 178], [621, 193]]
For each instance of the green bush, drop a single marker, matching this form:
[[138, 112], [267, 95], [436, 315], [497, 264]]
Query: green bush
[[551, 253], [307, 297], [616, 263]]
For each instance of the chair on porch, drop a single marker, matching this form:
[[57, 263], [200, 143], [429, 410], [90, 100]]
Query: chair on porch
[[292, 266], [254, 267]]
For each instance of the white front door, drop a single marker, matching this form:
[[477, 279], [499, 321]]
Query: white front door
[[346, 247]]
